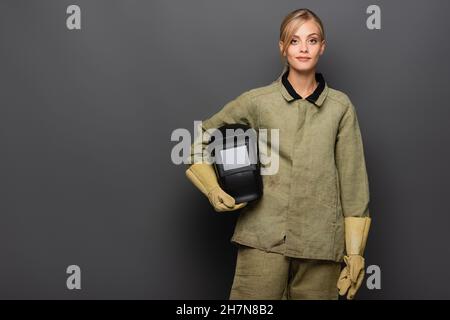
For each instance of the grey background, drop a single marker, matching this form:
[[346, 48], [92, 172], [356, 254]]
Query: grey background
[[86, 118]]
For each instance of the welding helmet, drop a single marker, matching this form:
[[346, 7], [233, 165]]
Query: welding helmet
[[235, 155]]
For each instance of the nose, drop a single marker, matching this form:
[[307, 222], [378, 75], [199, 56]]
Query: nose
[[303, 47]]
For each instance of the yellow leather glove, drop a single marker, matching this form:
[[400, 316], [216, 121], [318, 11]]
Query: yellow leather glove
[[351, 277], [203, 176]]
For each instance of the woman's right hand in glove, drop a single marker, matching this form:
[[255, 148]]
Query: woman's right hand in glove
[[203, 176]]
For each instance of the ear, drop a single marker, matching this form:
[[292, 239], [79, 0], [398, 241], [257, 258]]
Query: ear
[[280, 45], [322, 48]]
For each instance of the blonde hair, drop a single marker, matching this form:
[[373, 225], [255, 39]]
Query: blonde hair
[[290, 24]]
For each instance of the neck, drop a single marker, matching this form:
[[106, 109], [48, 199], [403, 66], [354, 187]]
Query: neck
[[304, 83]]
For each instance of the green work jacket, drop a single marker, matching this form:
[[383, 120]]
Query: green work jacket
[[321, 175]]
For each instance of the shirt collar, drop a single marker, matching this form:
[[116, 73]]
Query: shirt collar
[[317, 97]]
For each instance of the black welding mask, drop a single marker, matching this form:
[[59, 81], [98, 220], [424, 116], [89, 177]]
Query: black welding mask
[[234, 149]]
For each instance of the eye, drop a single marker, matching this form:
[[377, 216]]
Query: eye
[[293, 41], [313, 41]]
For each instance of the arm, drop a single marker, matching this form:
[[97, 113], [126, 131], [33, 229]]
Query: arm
[[201, 172], [354, 188]]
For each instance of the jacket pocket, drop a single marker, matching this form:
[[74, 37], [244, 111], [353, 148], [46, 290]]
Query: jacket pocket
[[324, 186]]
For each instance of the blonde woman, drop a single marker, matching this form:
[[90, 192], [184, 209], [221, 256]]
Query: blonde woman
[[313, 217]]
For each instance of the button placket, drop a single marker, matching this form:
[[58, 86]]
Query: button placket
[[301, 106]]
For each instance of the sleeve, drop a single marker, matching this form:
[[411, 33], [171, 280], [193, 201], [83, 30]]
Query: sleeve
[[240, 110], [351, 166]]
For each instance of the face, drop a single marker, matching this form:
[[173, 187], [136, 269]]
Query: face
[[305, 48]]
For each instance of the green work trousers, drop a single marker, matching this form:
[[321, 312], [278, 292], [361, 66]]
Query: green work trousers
[[262, 275]]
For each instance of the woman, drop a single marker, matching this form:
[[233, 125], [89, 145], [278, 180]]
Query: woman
[[314, 212]]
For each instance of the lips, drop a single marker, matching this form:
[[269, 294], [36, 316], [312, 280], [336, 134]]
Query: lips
[[303, 58]]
